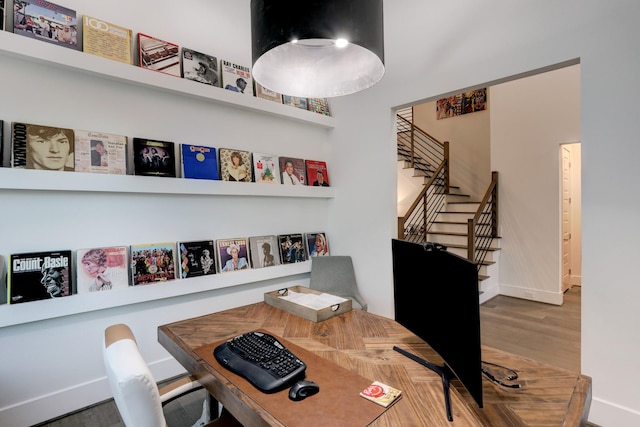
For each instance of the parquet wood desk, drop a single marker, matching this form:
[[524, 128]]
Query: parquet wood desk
[[363, 343]]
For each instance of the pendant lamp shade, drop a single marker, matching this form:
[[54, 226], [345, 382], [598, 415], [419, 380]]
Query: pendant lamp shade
[[297, 46]]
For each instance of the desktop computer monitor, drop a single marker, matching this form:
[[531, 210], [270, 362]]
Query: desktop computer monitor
[[436, 297]]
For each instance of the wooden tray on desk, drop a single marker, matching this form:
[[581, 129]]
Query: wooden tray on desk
[[274, 298]]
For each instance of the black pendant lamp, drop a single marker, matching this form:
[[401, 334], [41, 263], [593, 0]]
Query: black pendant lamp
[[317, 48]]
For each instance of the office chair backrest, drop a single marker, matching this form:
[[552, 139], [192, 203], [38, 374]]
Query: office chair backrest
[[335, 275], [134, 389]]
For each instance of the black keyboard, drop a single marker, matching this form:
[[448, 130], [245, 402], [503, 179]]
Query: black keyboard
[[261, 359]]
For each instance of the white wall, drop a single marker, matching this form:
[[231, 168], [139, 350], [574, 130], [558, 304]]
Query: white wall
[[530, 118], [487, 42]]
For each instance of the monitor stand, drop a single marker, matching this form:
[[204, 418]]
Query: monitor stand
[[445, 373]]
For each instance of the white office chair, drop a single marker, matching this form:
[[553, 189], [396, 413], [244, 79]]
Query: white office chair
[[334, 275], [136, 393]]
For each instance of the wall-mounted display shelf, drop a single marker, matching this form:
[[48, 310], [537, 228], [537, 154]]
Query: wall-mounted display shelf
[[31, 179], [13, 45], [16, 314]]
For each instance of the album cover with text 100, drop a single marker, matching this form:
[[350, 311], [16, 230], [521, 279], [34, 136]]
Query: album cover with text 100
[[107, 40], [98, 152], [199, 162], [292, 248], [42, 147], [39, 275], [154, 158], [46, 21], [264, 251], [232, 254], [102, 269], [196, 258], [152, 263]]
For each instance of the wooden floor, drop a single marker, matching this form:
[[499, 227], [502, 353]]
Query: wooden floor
[[544, 332]]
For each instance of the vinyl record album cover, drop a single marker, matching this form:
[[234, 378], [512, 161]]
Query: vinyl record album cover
[[42, 147], [232, 254], [196, 258], [39, 275], [102, 269], [199, 162], [317, 244], [236, 78], [292, 248], [293, 171], [99, 152], [46, 21], [266, 169], [154, 158], [158, 55], [151, 263], [264, 251], [200, 67], [235, 165], [110, 41], [317, 174]]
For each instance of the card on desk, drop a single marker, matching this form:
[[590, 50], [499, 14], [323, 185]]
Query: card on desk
[[381, 394]]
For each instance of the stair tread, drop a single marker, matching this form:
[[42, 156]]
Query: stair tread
[[467, 247], [453, 233]]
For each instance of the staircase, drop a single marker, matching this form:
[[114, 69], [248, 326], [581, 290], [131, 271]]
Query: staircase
[[451, 210]]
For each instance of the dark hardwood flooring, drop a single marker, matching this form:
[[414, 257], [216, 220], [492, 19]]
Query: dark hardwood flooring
[[544, 332]]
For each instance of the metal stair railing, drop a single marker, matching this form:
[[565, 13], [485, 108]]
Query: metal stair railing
[[483, 227], [423, 152]]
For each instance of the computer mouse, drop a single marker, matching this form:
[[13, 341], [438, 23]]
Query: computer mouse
[[303, 389]]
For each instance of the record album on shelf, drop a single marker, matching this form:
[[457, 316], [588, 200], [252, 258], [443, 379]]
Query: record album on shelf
[[196, 258], [99, 152], [317, 244], [295, 101], [292, 248], [317, 174], [264, 93], [39, 275], [102, 269], [152, 263], [319, 105], [266, 169], [236, 78], [32, 143], [235, 165], [200, 67], [158, 55], [154, 158], [107, 40], [199, 162], [293, 171], [46, 21], [232, 254], [264, 251]]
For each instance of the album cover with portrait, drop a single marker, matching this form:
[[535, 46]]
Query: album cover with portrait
[[317, 244], [196, 258], [292, 248], [102, 269], [266, 169], [154, 158], [158, 55], [200, 67], [42, 147], [264, 251], [236, 78], [99, 152], [292, 171], [235, 165], [152, 263], [39, 275], [317, 175], [46, 21], [232, 255], [199, 162]]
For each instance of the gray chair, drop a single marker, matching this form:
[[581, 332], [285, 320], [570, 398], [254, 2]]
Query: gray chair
[[335, 275]]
